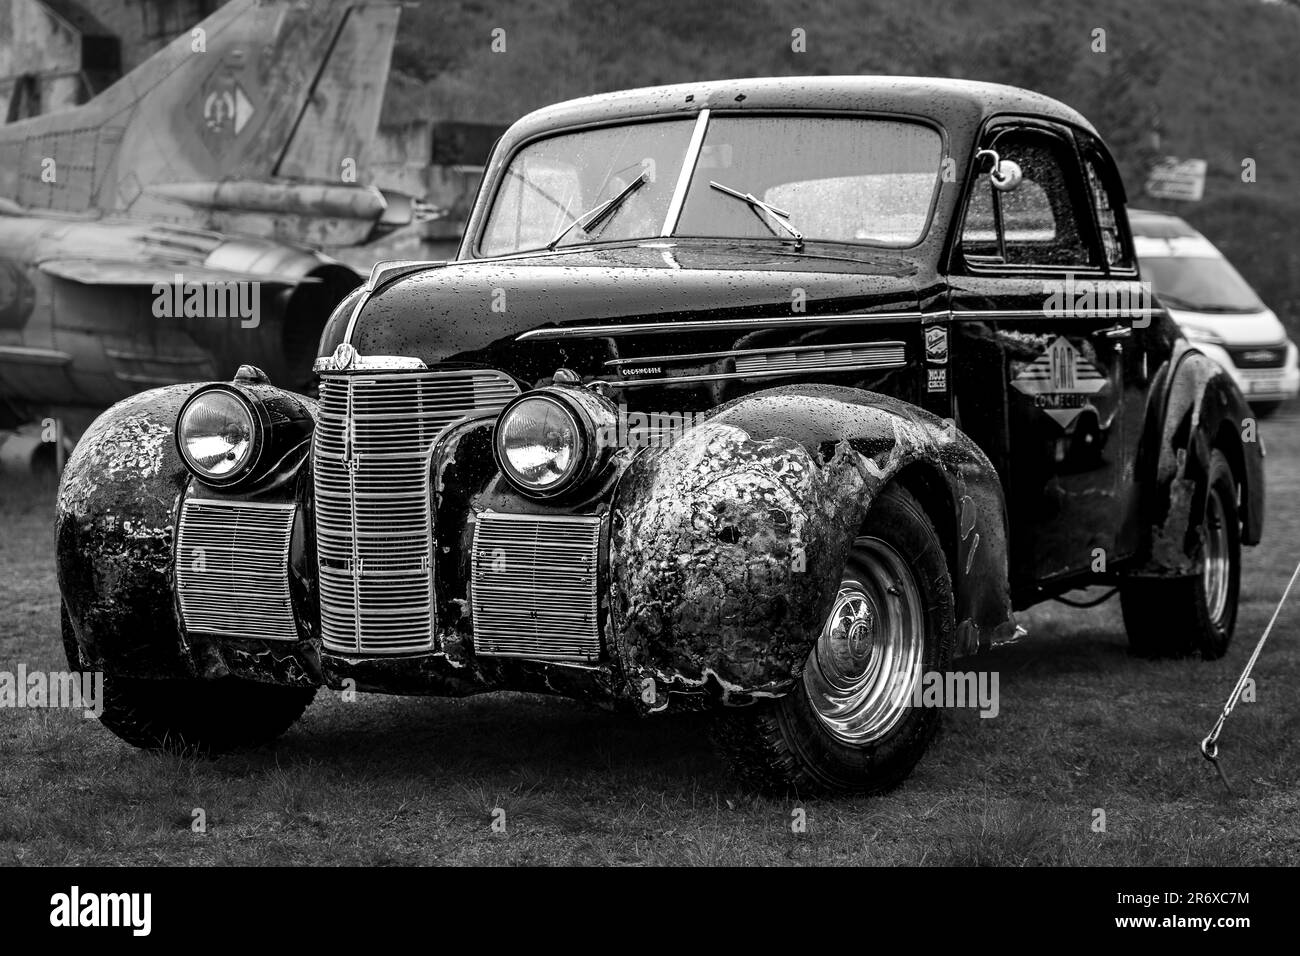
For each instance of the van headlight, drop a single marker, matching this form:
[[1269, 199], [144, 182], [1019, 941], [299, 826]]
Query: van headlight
[[551, 440], [1198, 333], [220, 434]]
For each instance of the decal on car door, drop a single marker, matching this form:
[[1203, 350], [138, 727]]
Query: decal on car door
[[1060, 381]]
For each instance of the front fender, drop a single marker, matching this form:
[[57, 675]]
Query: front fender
[[115, 524], [118, 508], [1201, 409], [727, 546]]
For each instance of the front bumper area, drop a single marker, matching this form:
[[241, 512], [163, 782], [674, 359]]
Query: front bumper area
[[1274, 383], [165, 577], [510, 598]]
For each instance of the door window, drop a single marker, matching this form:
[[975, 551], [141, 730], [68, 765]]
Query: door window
[[1040, 223]]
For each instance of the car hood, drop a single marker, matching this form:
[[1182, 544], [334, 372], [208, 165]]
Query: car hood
[[473, 311], [1236, 328]]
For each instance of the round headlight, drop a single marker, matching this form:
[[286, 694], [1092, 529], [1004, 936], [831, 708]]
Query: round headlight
[[219, 435], [540, 445]]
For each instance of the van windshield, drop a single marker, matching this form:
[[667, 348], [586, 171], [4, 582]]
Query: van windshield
[[1200, 284]]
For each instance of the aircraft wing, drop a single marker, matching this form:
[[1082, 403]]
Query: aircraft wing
[[122, 272]]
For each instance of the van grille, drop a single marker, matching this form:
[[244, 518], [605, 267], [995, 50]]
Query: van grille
[[1258, 356], [374, 526]]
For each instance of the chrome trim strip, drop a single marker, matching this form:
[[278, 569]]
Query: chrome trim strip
[[684, 177], [656, 328], [803, 321], [356, 313], [254, 505], [1045, 314], [775, 350], [385, 266], [774, 373]]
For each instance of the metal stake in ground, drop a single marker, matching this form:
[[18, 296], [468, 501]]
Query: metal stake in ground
[[1210, 745]]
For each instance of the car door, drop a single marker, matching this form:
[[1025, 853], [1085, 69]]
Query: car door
[[1044, 300]]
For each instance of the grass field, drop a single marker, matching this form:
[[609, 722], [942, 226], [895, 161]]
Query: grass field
[[393, 780]]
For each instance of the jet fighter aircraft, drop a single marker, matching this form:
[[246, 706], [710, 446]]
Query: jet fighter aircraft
[[174, 225]]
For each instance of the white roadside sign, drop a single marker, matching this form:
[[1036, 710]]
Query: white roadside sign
[[1174, 178]]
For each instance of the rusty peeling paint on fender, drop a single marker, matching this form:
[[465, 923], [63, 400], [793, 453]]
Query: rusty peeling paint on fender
[[727, 546], [115, 524], [117, 509], [723, 562]]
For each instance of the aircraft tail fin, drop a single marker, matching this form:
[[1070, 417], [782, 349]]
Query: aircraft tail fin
[[286, 90]]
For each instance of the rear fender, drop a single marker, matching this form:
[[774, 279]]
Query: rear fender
[[1202, 410]]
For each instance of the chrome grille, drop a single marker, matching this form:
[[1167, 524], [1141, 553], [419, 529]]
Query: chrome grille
[[533, 586], [232, 569], [1258, 356], [374, 526], [869, 356]]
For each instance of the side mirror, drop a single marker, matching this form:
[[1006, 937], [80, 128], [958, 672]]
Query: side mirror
[[1005, 174]]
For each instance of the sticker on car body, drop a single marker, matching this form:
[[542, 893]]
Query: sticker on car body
[[936, 344], [1060, 381]]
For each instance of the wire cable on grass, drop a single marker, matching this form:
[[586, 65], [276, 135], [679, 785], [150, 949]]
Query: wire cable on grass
[[1093, 603], [1210, 745]]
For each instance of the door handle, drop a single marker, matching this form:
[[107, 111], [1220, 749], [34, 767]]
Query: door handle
[[1115, 332]]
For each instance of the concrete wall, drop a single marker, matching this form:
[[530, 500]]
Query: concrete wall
[[143, 27], [40, 58]]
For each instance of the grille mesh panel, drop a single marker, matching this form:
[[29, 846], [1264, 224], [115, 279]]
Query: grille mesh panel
[[534, 586], [374, 527], [232, 569], [883, 355], [1258, 356]]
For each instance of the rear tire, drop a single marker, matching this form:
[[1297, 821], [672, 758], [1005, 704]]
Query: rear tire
[[1181, 617], [847, 726], [194, 717]]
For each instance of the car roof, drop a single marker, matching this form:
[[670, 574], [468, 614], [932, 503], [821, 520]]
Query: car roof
[[952, 102]]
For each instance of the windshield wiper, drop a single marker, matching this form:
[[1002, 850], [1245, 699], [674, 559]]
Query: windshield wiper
[[593, 217], [780, 216]]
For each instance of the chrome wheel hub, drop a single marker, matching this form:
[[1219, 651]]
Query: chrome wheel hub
[[867, 660], [1218, 550]]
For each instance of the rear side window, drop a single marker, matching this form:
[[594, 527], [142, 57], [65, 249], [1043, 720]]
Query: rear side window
[[1041, 222], [1105, 203]]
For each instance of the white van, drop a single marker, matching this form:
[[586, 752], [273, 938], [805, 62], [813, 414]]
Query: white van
[[1216, 308]]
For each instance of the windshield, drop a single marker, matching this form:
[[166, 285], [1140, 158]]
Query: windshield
[[840, 180], [782, 178], [554, 182], [1200, 284]]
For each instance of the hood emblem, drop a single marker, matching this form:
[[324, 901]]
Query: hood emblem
[[346, 358], [343, 356]]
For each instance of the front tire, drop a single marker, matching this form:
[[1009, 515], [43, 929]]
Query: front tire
[[847, 726], [194, 717], [1181, 617]]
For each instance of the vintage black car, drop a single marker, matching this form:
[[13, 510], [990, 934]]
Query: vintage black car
[[765, 396]]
